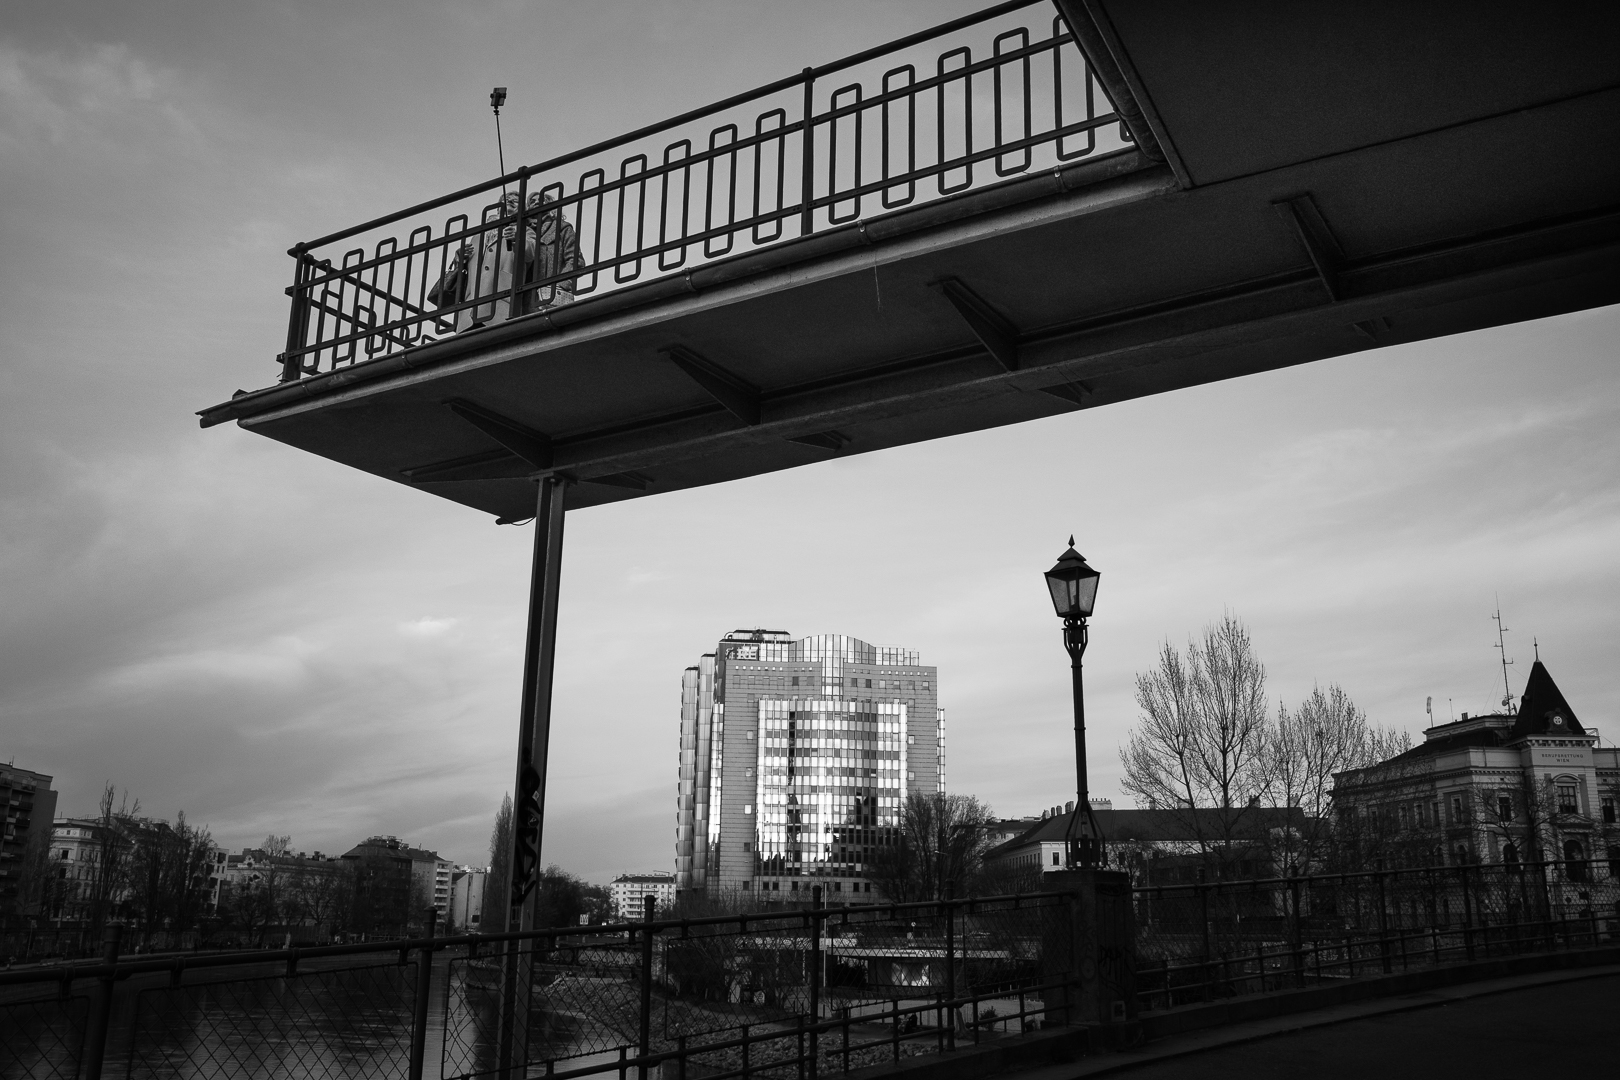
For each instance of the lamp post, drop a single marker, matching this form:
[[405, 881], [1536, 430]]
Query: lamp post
[[1073, 585]]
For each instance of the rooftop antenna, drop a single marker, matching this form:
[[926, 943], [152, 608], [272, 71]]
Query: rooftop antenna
[[1428, 707], [497, 98], [1501, 645]]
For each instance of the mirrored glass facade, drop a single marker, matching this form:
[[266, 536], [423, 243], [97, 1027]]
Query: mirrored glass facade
[[796, 756]]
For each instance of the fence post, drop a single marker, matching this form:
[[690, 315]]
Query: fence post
[[419, 1016], [95, 1035], [1383, 924], [1298, 928], [644, 1046], [949, 1018], [815, 973], [1468, 914], [1203, 909], [292, 362]]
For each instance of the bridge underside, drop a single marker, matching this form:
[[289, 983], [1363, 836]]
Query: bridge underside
[[1333, 180]]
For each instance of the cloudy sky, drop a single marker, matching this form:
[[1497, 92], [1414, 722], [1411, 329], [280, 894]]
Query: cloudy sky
[[271, 643]]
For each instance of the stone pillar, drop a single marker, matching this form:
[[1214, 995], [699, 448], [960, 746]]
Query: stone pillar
[[1097, 945]]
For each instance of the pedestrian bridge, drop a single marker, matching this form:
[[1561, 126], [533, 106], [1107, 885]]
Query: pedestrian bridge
[[1040, 208]]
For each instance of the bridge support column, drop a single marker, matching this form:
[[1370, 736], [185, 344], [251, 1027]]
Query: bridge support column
[[1096, 947], [529, 789]]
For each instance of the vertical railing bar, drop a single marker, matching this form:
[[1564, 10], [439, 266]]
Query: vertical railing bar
[[816, 917], [832, 156], [644, 1033], [808, 135], [1027, 63], [292, 361], [520, 266]]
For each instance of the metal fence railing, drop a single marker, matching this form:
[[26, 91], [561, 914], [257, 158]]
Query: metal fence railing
[[790, 992], [786, 994], [1218, 939], [978, 101]]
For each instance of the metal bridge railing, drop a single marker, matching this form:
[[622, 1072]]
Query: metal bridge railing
[[1216, 939], [783, 994], [972, 103]]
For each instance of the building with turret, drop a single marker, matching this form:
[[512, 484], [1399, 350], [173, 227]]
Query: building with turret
[[1511, 787]]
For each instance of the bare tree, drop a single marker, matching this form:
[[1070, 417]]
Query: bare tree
[[104, 890], [1326, 734], [940, 844], [258, 897], [168, 874], [1201, 748]]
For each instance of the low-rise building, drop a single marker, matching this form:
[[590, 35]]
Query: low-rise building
[[629, 892], [1162, 846], [77, 848]]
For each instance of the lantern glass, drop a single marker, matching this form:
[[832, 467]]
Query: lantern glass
[[1073, 585]]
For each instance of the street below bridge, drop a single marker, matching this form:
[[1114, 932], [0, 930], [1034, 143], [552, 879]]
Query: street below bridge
[[1507, 1028]]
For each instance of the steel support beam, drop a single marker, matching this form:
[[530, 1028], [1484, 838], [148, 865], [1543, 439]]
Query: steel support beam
[[739, 397], [531, 446], [529, 789], [998, 336]]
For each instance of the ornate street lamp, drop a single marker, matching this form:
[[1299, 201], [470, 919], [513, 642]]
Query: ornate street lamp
[[1073, 585]]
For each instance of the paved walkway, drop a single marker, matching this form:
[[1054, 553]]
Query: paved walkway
[[1554, 1024]]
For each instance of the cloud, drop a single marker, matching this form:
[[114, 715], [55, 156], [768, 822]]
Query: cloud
[[428, 627], [102, 102]]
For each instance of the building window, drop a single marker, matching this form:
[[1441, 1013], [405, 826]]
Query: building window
[[1608, 811], [1504, 807], [1614, 862], [1456, 809], [1567, 803], [1510, 854], [795, 680], [1574, 861], [1054, 858]]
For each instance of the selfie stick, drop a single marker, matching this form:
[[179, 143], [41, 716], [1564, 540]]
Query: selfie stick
[[497, 98]]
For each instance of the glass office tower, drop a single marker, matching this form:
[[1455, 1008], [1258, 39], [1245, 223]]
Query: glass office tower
[[795, 759]]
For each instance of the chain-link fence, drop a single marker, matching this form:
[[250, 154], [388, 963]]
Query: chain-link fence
[[1223, 938], [774, 994], [318, 1021], [786, 994], [41, 1031]]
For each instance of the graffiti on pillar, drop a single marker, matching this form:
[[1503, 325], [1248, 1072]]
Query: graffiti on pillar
[[526, 836]]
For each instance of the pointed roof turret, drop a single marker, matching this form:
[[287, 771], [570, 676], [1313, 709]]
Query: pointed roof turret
[[1542, 708]]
